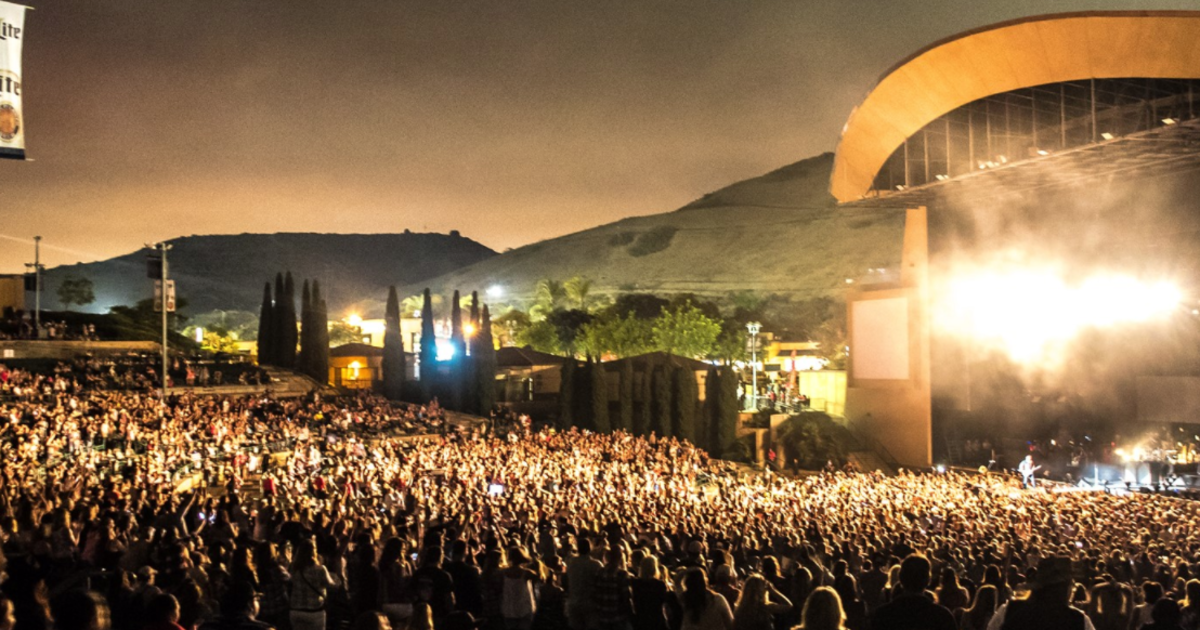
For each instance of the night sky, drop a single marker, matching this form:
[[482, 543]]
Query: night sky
[[510, 120]]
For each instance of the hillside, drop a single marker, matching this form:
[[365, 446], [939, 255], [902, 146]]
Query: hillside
[[227, 271], [777, 233]]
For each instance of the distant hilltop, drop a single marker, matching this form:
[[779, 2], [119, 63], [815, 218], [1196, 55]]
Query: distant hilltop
[[227, 272], [777, 233]]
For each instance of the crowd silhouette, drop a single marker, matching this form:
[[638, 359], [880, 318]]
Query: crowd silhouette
[[120, 511]]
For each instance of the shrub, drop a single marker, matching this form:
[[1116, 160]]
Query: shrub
[[655, 240], [621, 239]]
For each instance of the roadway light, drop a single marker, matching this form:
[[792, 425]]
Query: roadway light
[[754, 328]]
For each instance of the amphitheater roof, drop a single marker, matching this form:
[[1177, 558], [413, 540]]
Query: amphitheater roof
[[1004, 57]]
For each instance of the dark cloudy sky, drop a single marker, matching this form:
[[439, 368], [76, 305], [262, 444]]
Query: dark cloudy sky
[[510, 120]]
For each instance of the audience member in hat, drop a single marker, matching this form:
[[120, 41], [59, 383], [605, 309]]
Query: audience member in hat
[[1048, 606]]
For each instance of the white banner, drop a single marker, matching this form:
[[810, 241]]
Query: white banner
[[12, 122]]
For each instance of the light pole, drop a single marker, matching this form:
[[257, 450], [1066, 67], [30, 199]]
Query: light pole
[[162, 249], [754, 328], [37, 286]]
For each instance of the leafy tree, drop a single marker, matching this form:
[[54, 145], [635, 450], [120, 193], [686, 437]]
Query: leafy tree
[[508, 327], [341, 333], [639, 305], [686, 331], [624, 419], [599, 391], [266, 333], [577, 290], [567, 326], [428, 355], [75, 290], [684, 396], [566, 398], [731, 343], [831, 342], [218, 340], [393, 348], [621, 336], [660, 421], [485, 364], [540, 336], [811, 439]]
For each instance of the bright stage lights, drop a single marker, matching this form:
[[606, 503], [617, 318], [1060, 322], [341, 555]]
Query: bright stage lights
[[1031, 313]]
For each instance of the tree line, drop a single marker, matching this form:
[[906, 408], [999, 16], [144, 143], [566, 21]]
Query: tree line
[[655, 394], [280, 343]]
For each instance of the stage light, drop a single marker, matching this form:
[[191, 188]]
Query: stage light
[[1032, 313]]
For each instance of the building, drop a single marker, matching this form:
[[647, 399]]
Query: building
[[12, 293], [356, 366], [524, 375], [1071, 140]]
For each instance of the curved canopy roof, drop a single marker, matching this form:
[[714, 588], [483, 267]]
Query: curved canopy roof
[[1004, 57]]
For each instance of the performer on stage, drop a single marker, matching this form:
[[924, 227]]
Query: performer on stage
[[1026, 468]]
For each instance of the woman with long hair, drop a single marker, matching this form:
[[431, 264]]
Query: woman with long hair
[[755, 610], [311, 583], [702, 608], [394, 575], [273, 582], [823, 611], [650, 597], [982, 609], [949, 593]]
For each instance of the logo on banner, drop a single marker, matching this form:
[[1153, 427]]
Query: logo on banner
[[10, 122]]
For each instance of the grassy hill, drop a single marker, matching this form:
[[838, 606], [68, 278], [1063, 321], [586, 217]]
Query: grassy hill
[[228, 271], [777, 233]]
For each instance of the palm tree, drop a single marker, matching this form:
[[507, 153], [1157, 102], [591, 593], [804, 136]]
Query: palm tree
[[577, 289], [548, 296]]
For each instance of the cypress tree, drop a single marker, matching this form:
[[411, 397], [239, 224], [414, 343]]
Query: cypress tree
[[485, 364], [660, 422], [287, 354], [458, 361], [303, 362], [320, 351], [566, 398], [600, 420], [683, 409], [277, 317], [624, 419], [393, 348], [470, 360], [266, 321], [708, 433], [727, 414], [428, 355], [645, 411], [582, 398]]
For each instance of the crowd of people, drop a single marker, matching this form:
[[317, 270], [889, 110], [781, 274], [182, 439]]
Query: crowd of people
[[118, 510]]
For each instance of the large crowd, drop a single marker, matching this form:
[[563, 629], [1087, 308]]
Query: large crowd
[[118, 510]]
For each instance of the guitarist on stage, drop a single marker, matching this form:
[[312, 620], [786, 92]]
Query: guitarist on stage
[[1026, 468]]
